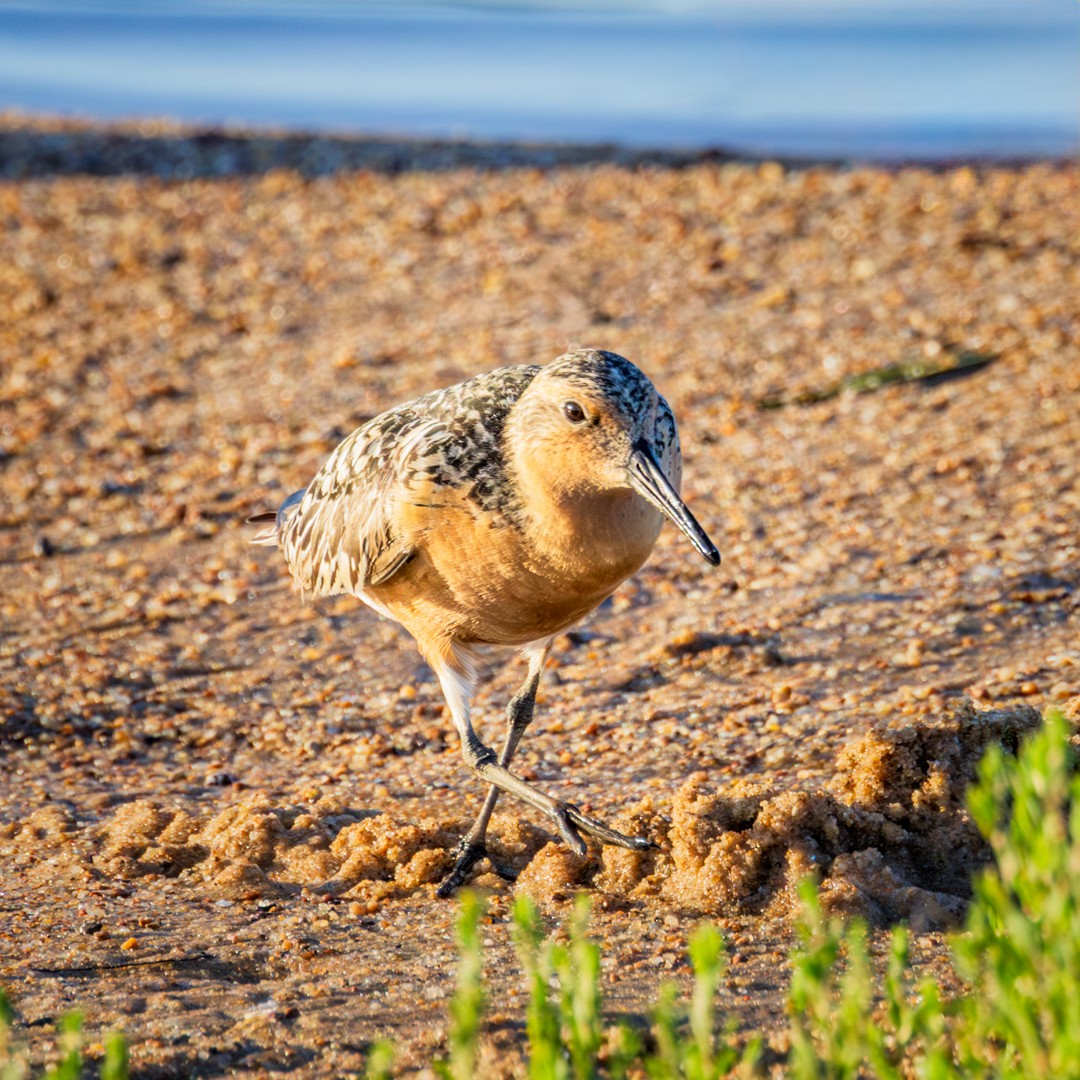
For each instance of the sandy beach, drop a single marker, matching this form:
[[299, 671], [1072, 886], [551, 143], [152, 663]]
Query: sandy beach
[[254, 797]]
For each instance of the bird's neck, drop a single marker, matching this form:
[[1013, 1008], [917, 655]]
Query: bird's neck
[[591, 537]]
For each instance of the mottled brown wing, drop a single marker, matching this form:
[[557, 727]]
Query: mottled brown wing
[[342, 536]]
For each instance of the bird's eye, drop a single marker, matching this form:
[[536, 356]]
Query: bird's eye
[[573, 412]]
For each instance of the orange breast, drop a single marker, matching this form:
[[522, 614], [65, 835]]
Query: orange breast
[[478, 578]]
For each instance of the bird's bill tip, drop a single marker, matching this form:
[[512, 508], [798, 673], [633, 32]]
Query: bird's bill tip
[[710, 552], [647, 478], [699, 539]]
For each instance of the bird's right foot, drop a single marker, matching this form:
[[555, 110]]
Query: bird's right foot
[[569, 819]]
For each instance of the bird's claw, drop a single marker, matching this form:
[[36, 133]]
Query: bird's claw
[[504, 870], [469, 853], [570, 819], [565, 824]]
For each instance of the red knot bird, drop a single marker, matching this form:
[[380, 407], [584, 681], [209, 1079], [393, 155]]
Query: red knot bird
[[496, 512]]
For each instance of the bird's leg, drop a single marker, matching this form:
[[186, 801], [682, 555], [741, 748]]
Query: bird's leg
[[519, 714], [567, 818], [457, 681]]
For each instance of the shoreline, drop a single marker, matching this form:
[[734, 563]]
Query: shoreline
[[37, 145]]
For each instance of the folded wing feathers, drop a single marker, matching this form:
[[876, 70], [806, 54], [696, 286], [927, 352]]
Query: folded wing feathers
[[338, 535], [341, 537]]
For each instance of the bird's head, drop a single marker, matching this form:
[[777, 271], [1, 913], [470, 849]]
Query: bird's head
[[592, 423]]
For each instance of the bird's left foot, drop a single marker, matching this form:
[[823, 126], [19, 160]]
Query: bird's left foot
[[469, 854]]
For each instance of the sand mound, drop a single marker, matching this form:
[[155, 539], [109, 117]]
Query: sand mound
[[889, 837], [255, 849]]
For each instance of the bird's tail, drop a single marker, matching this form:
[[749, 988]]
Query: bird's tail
[[279, 518]]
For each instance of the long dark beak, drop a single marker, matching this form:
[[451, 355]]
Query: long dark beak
[[648, 480]]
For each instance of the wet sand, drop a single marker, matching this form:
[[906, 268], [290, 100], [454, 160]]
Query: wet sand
[[225, 810]]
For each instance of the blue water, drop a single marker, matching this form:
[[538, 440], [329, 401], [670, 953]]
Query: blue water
[[871, 80]]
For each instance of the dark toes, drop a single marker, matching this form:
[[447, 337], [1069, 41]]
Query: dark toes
[[567, 831], [504, 870], [607, 835], [468, 856]]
